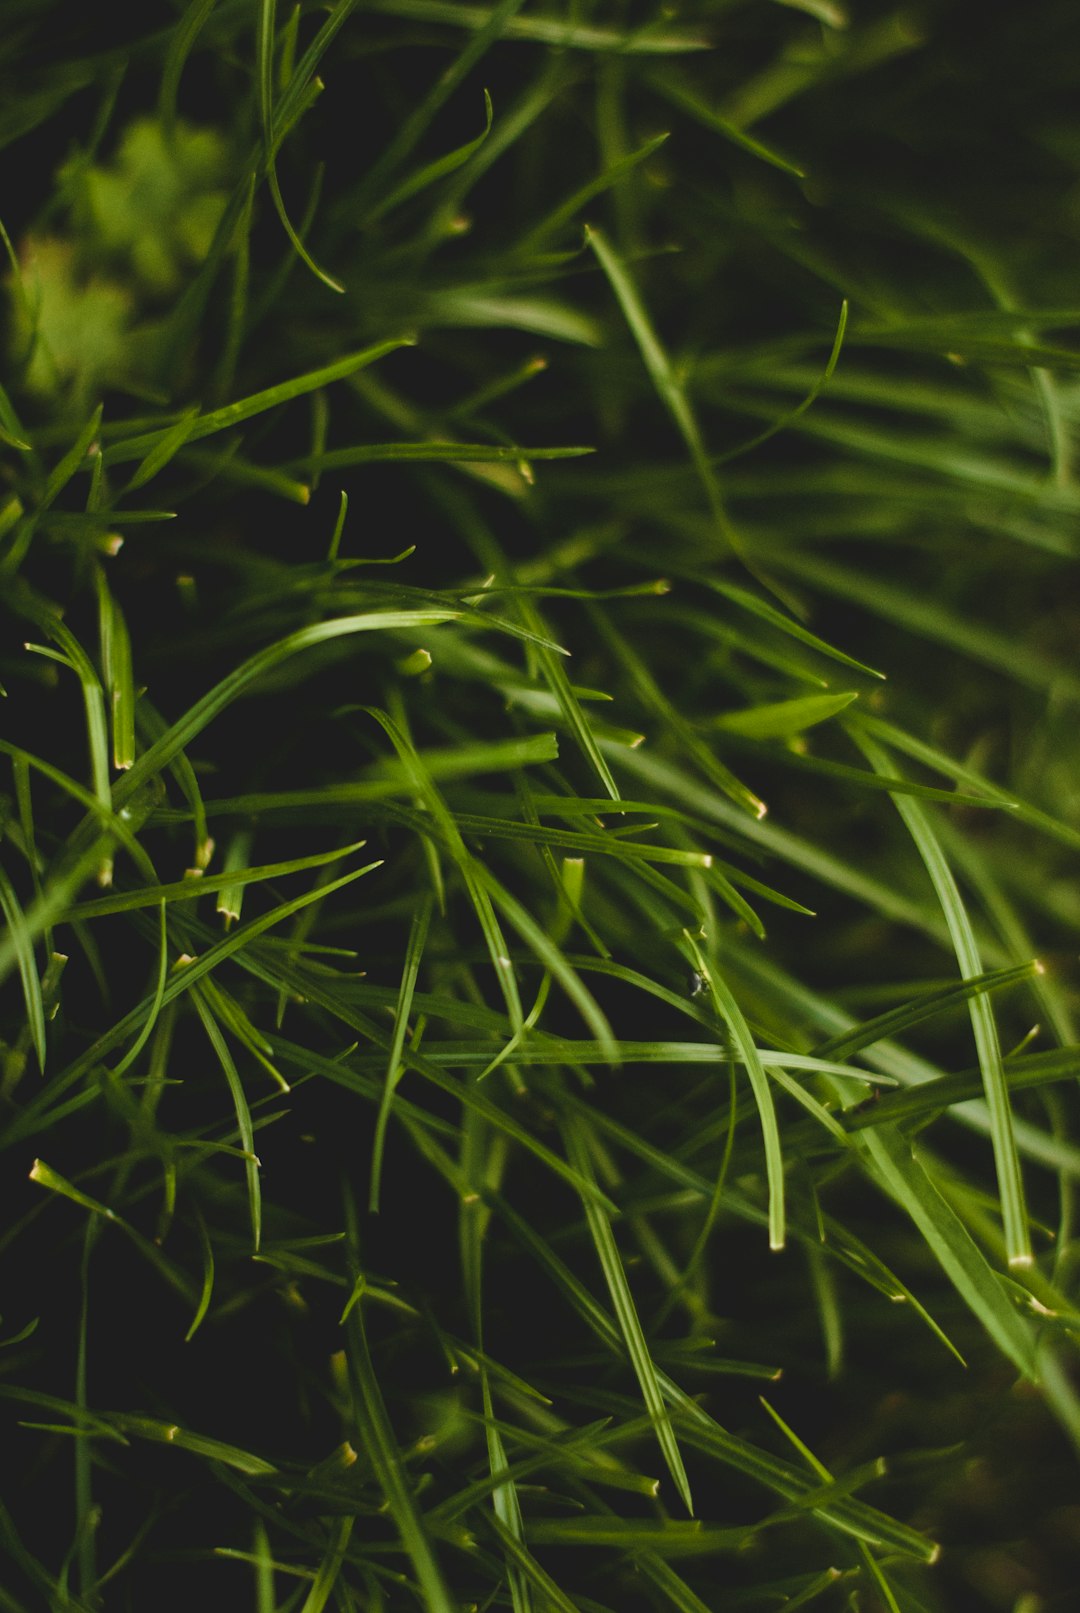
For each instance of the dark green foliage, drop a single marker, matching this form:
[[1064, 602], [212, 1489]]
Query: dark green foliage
[[537, 547]]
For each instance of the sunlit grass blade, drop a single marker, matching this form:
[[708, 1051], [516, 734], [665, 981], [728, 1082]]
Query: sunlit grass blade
[[784, 718]]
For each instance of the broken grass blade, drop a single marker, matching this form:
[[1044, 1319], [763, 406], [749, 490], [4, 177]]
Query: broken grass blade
[[119, 678], [230, 898]]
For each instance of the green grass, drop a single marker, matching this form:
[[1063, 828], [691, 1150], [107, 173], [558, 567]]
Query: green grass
[[539, 807]]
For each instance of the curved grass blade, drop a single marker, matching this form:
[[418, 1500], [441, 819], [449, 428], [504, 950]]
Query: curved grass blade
[[984, 1026], [432, 172], [729, 1011], [240, 1104], [195, 719], [897, 1020], [414, 951], [555, 677], [207, 1290], [566, 211], [891, 1160], [468, 866], [668, 386]]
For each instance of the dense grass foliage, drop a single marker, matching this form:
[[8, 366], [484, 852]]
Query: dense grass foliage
[[540, 803]]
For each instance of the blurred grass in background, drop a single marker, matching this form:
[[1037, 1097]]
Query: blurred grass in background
[[540, 806]]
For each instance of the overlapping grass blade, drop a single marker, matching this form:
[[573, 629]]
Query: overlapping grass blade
[[984, 1026], [629, 1324]]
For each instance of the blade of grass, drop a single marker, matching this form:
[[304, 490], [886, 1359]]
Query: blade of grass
[[22, 947], [234, 414], [984, 1026], [892, 1161], [240, 1105], [382, 1449], [728, 1010], [629, 1324], [414, 952]]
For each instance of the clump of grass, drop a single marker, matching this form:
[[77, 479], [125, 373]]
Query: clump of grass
[[540, 801]]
